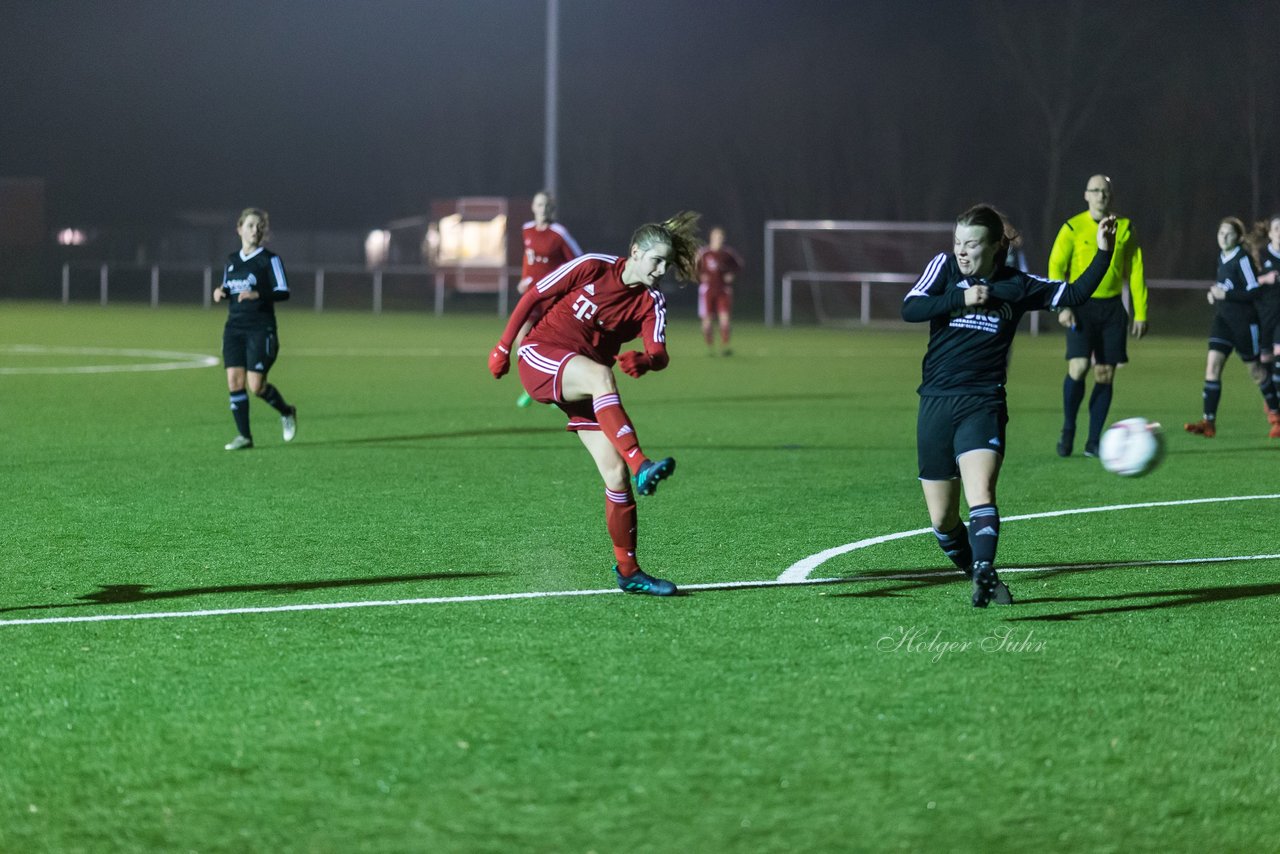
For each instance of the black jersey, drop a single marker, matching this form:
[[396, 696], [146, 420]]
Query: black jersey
[[261, 271], [969, 345], [1236, 277], [1268, 260]]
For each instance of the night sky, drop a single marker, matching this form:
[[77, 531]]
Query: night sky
[[352, 114]]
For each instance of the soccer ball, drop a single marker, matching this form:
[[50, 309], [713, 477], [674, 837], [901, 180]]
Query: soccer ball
[[1132, 447]]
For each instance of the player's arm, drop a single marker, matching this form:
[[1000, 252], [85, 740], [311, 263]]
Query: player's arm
[[1060, 265], [220, 292], [735, 267], [1137, 288], [1244, 277], [279, 282], [930, 297], [653, 333], [1075, 293], [552, 287]]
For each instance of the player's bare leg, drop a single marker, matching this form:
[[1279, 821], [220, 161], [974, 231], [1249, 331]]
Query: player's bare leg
[[584, 379]]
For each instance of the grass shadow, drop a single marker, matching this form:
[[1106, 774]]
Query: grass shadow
[[1166, 598], [126, 594]]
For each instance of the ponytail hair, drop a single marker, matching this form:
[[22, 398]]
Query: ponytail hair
[[996, 224], [680, 232], [1259, 237]]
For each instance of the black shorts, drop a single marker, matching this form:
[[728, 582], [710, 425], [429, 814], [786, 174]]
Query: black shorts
[[950, 426], [251, 349], [1101, 331], [1236, 330]]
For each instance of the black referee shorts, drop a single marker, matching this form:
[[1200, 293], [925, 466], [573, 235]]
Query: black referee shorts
[[950, 426], [251, 349], [1101, 331]]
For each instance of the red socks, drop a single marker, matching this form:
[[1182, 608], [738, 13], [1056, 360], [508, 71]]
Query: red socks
[[617, 428], [620, 518]]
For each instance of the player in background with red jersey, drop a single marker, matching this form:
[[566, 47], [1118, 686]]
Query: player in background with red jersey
[[591, 307], [547, 245], [718, 267]]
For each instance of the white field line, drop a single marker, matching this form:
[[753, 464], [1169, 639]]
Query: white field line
[[781, 581], [800, 570], [177, 361], [552, 594]]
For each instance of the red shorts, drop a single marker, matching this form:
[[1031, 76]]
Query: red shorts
[[714, 302], [541, 372]]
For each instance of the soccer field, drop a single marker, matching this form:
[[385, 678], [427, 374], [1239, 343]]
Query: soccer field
[[400, 632]]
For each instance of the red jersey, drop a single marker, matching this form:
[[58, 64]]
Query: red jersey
[[715, 264], [588, 310], [546, 249]]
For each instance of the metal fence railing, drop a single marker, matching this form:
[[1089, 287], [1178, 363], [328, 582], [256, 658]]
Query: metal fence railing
[[345, 286]]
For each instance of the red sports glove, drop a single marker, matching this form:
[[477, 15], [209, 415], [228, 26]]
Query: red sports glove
[[633, 363], [499, 361]]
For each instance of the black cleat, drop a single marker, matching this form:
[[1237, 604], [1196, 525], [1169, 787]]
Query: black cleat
[[1091, 448], [651, 473], [639, 582], [986, 586], [1065, 441]]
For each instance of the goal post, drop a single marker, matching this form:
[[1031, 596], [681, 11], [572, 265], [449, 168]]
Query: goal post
[[843, 266], [848, 272]]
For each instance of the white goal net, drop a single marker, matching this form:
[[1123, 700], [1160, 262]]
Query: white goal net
[[844, 273]]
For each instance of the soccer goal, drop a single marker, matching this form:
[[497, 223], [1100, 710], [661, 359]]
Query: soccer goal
[[844, 273]]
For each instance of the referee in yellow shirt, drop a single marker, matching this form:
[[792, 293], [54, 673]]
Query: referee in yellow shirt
[[1097, 329]]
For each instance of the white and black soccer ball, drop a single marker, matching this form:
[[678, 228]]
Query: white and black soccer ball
[[1132, 447]]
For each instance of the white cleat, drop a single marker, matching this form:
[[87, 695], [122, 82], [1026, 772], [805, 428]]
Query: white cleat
[[289, 424], [239, 443]]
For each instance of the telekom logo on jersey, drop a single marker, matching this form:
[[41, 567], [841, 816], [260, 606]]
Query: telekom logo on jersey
[[584, 309]]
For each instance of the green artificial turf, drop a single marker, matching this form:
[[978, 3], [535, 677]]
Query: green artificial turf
[[1127, 702]]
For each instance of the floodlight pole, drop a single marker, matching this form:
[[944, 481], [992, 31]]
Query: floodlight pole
[[549, 176]]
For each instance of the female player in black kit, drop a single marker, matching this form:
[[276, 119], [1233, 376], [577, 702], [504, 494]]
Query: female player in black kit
[[973, 301], [252, 283], [1235, 325], [1265, 246]]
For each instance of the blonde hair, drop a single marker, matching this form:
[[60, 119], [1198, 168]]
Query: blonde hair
[[260, 214], [680, 232]]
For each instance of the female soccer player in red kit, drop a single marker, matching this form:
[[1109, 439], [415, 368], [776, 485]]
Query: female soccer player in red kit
[[547, 245], [590, 308]]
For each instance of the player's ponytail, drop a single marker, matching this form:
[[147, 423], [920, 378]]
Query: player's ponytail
[[1259, 236], [680, 232]]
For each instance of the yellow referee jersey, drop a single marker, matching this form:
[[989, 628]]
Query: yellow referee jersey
[[1077, 243]]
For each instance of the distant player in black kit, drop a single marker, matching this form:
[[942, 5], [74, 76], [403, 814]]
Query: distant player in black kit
[[973, 301], [1235, 326], [252, 283]]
